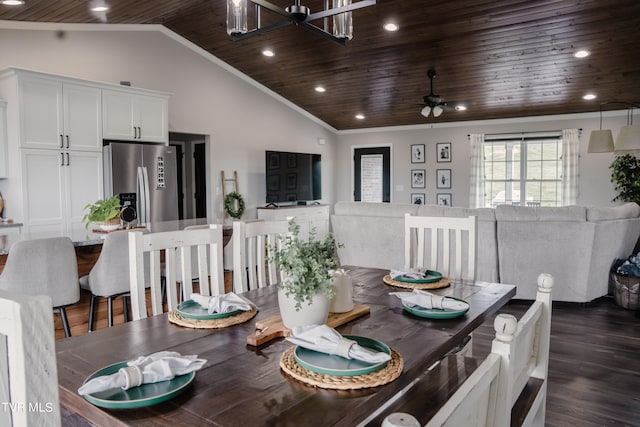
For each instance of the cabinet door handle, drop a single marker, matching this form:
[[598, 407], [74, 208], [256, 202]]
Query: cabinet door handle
[[61, 141], [67, 141], [61, 159], [67, 159], [135, 132], [139, 132]]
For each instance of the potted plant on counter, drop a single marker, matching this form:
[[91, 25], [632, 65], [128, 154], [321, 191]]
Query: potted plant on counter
[[105, 213], [306, 267]]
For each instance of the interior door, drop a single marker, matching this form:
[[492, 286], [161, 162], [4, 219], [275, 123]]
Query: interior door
[[199, 170], [372, 174]]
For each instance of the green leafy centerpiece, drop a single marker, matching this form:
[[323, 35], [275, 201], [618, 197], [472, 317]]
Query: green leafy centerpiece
[[105, 213], [306, 267]]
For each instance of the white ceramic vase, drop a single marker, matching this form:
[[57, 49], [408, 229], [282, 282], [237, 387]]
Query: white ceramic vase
[[310, 314]]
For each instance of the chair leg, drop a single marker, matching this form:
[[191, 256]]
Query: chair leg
[[65, 322], [92, 312], [110, 310]]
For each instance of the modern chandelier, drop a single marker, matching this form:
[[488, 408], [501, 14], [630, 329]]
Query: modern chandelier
[[339, 30]]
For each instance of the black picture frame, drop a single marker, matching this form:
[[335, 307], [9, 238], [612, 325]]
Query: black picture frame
[[273, 183], [443, 199], [418, 178], [417, 198], [443, 178], [417, 153], [443, 152], [274, 161]]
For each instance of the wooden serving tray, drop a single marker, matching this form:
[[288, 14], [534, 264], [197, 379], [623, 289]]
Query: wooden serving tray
[[272, 327]]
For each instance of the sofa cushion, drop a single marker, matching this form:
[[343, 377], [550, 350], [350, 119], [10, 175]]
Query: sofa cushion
[[525, 213], [628, 210]]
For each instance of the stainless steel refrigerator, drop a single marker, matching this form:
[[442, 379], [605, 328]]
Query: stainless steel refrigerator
[[149, 172]]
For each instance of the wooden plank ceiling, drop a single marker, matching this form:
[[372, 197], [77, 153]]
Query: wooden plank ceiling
[[510, 58]]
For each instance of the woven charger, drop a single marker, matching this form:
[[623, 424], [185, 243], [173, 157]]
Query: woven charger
[[390, 372], [442, 283], [222, 322]]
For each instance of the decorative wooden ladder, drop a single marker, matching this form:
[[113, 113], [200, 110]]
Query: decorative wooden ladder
[[234, 181]]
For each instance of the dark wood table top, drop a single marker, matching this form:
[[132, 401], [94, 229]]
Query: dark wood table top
[[241, 385]]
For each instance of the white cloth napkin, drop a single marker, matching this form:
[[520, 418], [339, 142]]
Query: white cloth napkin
[[161, 366], [412, 273], [428, 300], [324, 339], [223, 303]]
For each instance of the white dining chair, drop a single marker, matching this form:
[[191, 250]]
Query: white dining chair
[[208, 240], [28, 370], [252, 244], [44, 267], [446, 244], [509, 386]]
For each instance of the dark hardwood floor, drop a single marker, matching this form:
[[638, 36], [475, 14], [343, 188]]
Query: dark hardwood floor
[[594, 363]]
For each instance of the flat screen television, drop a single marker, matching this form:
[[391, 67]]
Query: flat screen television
[[292, 177]]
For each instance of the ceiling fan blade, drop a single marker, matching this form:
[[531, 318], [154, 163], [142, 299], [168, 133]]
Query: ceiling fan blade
[[322, 33], [272, 7], [261, 30], [337, 10]]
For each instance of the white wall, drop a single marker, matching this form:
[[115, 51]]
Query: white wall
[[241, 120], [595, 185]]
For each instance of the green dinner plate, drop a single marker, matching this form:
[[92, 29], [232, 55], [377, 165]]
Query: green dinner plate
[[434, 313], [192, 310], [430, 276], [137, 397], [329, 364]]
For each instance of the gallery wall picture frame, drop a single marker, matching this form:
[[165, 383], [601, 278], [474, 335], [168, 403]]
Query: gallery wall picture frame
[[443, 178], [443, 152], [418, 178], [443, 199], [417, 153], [417, 198]]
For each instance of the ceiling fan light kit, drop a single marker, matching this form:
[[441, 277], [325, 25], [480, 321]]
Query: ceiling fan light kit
[[435, 104], [340, 11]]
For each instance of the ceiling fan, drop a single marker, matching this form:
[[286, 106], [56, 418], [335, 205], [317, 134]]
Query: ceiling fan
[[436, 104], [296, 14]]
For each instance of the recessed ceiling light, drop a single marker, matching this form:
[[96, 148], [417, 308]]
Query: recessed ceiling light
[[12, 2], [100, 8], [460, 107], [582, 53], [320, 89], [268, 52], [360, 116], [589, 96], [390, 26]]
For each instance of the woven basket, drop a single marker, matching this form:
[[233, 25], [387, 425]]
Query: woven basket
[[625, 291]]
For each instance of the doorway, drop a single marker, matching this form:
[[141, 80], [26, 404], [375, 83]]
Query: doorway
[[372, 174], [192, 169]]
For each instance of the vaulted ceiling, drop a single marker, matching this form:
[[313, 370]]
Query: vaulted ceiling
[[507, 58]]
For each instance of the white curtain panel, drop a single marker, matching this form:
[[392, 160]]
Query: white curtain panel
[[476, 192], [570, 166]]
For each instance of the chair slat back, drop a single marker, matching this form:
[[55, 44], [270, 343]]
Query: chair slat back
[[252, 248], [442, 244], [28, 370], [174, 245]]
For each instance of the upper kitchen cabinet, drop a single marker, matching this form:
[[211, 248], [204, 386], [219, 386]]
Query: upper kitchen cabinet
[[130, 115], [57, 114]]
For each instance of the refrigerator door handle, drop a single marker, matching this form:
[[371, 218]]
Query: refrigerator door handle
[[147, 195], [141, 190]]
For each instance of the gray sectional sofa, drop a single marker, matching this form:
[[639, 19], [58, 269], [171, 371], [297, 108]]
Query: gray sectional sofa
[[576, 244]]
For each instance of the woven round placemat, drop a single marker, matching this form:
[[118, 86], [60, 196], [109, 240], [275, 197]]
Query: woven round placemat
[[442, 283], [223, 322], [390, 372]]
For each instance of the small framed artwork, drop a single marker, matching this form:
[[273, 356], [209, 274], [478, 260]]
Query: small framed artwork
[[443, 199], [292, 161], [443, 178], [417, 198], [292, 181], [418, 178], [443, 152], [273, 182], [274, 161], [417, 153]]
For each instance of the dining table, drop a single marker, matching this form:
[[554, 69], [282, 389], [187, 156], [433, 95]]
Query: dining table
[[244, 385]]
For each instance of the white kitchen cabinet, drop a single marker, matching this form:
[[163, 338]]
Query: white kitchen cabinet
[[3, 139], [57, 115], [308, 217], [57, 186], [132, 116]]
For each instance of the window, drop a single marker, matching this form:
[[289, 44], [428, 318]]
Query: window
[[523, 169]]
